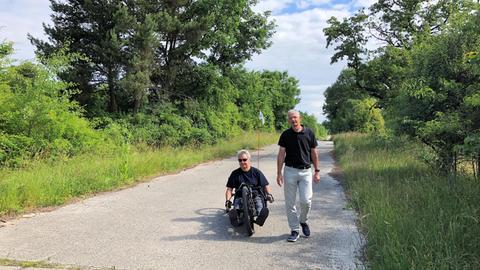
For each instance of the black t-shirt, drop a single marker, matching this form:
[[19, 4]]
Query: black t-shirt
[[297, 146], [253, 177]]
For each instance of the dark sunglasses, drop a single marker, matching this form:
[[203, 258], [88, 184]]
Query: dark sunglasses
[[242, 159]]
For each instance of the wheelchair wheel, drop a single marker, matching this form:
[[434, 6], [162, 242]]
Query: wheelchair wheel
[[247, 210]]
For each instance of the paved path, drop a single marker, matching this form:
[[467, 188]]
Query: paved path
[[178, 222]]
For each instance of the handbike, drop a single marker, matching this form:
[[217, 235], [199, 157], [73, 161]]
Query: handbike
[[245, 212]]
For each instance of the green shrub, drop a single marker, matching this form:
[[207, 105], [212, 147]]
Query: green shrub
[[37, 117], [322, 132], [14, 149], [201, 136], [118, 133]]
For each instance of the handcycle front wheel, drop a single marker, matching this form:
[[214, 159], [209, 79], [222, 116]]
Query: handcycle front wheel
[[247, 219]]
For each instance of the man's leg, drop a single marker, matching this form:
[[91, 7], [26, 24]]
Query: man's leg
[[290, 190], [305, 194], [262, 212], [258, 203]]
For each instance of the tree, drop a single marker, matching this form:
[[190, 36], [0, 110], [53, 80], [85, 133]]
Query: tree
[[425, 77], [140, 48], [337, 96], [223, 33], [98, 30], [438, 102], [350, 37], [284, 92], [396, 24], [141, 60], [365, 117]]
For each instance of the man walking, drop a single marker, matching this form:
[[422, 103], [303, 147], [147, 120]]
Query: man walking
[[298, 151]]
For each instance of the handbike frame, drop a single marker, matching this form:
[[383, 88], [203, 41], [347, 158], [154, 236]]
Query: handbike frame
[[247, 210]]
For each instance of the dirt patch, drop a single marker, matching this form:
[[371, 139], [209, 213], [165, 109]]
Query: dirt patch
[[336, 172]]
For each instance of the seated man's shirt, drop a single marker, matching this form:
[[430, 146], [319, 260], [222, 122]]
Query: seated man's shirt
[[253, 177]]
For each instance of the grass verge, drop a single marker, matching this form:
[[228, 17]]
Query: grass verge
[[34, 264], [412, 217], [45, 265], [46, 184]]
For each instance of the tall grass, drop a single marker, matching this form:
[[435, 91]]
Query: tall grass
[[54, 183], [412, 217]]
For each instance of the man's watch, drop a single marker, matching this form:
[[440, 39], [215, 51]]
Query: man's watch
[[317, 170]]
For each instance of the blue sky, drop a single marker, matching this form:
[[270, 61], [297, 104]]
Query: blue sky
[[298, 44], [291, 7]]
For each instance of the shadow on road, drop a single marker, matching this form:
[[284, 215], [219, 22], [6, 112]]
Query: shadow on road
[[215, 226]]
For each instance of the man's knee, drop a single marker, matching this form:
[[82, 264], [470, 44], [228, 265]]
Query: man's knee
[[305, 199], [306, 203]]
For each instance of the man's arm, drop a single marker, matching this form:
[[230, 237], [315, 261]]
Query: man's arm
[[228, 196], [268, 189], [316, 175], [268, 193], [280, 161], [228, 193]]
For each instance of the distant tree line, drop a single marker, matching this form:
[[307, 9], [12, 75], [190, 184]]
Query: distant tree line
[[423, 81], [154, 72]]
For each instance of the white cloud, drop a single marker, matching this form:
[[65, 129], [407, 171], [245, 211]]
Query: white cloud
[[312, 3], [299, 48], [312, 100], [363, 3], [19, 17]]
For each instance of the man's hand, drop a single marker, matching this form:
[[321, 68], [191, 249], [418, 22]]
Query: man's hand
[[228, 205], [270, 198], [316, 177], [280, 179]]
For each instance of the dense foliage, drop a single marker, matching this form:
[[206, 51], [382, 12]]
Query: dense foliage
[[36, 116], [424, 80]]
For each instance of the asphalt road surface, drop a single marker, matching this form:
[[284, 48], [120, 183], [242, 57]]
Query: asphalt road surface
[[178, 222]]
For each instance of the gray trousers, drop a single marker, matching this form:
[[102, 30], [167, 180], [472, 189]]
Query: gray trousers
[[300, 179]]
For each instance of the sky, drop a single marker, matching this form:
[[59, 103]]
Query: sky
[[299, 45]]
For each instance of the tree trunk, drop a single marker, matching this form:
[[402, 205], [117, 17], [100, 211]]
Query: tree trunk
[[112, 104], [477, 169], [137, 103]]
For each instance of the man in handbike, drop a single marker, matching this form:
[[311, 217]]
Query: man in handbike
[[261, 190]]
